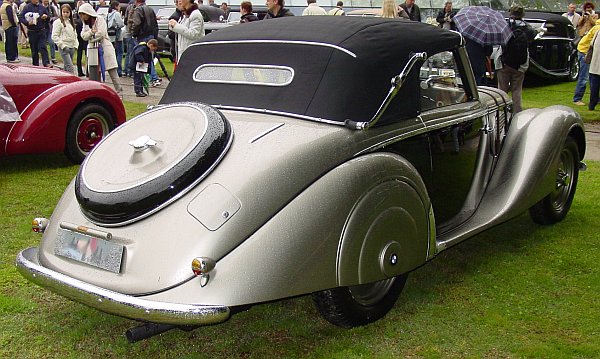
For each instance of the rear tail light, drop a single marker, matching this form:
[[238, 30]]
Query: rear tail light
[[39, 225], [201, 266]]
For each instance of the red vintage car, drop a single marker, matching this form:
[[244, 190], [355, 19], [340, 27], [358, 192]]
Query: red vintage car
[[46, 110]]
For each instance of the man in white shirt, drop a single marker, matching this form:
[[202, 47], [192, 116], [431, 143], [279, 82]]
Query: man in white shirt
[[572, 15], [313, 9]]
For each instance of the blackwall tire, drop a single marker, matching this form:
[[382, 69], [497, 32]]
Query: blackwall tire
[[349, 307], [554, 207], [574, 70], [86, 128]]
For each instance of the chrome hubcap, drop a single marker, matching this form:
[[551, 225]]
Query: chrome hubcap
[[564, 175]]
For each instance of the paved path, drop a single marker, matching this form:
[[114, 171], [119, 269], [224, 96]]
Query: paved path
[[592, 139]]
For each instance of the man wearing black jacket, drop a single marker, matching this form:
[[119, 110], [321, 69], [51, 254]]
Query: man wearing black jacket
[[246, 11], [276, 9], [36, 18], [143, 27]]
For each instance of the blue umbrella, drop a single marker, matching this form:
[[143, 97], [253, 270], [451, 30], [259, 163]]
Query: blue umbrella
[[483, 25], [101, 60]]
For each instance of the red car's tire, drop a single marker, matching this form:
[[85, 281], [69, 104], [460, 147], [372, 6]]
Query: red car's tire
[[88, 125]]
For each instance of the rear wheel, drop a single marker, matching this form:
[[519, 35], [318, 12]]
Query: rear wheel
[[349, 307], [88, 125], [555, 206]]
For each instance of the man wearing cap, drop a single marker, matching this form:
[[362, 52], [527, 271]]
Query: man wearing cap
[[510, 77]]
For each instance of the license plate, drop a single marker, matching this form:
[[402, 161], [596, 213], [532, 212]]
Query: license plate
[[94, 251]]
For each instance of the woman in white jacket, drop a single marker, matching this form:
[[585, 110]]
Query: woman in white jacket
[[95, 32], [189, 28], [65, 37]]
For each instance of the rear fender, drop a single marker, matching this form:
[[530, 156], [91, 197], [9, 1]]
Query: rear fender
[[310, 245], [36, 134]]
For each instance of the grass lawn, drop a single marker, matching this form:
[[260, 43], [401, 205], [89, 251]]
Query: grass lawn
[[518, 290]]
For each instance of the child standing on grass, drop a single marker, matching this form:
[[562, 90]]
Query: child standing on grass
[[142, 56], [65, 37]]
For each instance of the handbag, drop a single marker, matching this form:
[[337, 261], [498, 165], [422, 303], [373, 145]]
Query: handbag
[[588, 56]]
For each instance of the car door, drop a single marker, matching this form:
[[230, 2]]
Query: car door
[[454, 119]]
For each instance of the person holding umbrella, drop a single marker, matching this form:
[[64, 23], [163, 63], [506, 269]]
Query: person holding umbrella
[[482, 28], [515, 56], [100, 51]]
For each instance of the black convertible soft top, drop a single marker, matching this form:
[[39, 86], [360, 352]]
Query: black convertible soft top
[[342, 65]]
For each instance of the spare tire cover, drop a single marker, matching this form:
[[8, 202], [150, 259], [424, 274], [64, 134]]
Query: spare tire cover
[[150, 161]]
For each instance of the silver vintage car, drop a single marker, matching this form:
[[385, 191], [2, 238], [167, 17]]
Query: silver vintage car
[[328, 156]]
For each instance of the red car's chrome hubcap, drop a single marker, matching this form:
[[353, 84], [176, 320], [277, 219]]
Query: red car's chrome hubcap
[[89, 134]]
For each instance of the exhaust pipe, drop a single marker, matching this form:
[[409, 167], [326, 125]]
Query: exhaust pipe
[[146, 331]]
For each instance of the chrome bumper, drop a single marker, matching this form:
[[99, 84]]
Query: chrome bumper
[[117, 303]]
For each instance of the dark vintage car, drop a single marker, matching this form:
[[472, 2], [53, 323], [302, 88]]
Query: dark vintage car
[[553, 54], [164, 42], [49, 110], [307, 155]]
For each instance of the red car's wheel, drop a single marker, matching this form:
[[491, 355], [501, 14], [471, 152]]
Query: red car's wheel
[[88, 125]]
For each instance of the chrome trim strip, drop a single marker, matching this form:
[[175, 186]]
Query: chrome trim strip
[[421, 130], [35, 99], [266, 132], [393, 139], [117, 303], [278, 113], [250, 66], [543, 69], [346, 51], [441, 124], [8, 137], [462, 39], [554, 38]]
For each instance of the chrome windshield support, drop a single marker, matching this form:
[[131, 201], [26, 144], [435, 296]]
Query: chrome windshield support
[[397, 82]]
